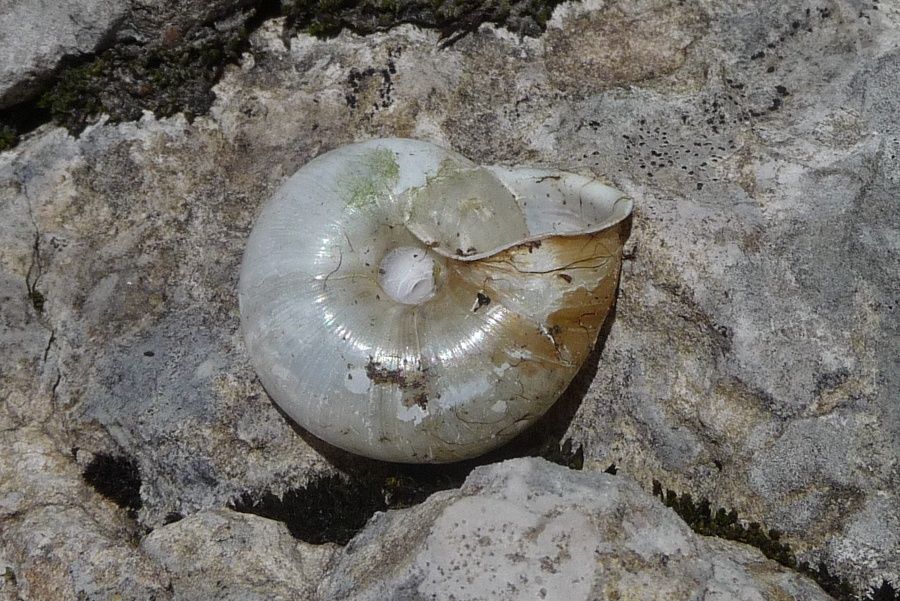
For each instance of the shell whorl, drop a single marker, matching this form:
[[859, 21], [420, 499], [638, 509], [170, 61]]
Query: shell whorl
[[524, 266]]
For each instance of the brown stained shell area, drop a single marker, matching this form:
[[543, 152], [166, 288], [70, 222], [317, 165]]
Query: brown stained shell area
[[568, 334], [554, 347]]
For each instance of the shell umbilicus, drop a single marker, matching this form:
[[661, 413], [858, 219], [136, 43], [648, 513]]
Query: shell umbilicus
[[401, 302]]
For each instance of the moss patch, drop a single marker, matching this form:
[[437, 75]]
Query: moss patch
[[726, 524], [126, 80], [8, 137], [18, 120], [176, 73], [453, 18], [166, 75]]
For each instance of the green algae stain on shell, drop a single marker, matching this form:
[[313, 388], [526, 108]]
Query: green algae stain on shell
[[379, 174]]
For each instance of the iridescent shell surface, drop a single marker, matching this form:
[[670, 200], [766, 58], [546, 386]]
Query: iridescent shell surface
[[401, 302]]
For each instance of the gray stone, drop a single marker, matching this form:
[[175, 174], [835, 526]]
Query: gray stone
[[530, 529], [36, 34], [753, 356], [220, 554], [168, 389], [60, 539], [159, 22]]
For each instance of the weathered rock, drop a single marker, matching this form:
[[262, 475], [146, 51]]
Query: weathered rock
[[220, 554], [60, 539], [167, 388], [753, 357], [158, 22], [529, 529], [36, 35]]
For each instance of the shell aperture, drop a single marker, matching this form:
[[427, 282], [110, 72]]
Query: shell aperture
[[400, 302]]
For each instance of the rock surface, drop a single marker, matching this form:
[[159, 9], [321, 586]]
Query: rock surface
[[60, 539], [38, 37], [529, 529], [220, 554], [753, 359], [36, 34]]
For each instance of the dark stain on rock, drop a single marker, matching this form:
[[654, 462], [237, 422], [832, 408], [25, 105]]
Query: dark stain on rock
[[831, 380], [35, 271], [117, 478], [333, 508], [375, 84], [172, 517], [355, 80], [37, 300]]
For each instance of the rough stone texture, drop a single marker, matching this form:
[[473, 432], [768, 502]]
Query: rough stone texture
[[36, 34], [141, 323], [754, 354], [152, 22], [220, 554], [529, 529], [60, 539]]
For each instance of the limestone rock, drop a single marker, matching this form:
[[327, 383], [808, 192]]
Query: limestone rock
[[753, 356], [60, 539], [220, 554], [529, 529], [36, 34]]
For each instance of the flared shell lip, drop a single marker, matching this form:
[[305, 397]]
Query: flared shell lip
[[622, 209]]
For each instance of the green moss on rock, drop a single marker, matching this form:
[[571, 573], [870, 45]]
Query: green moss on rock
[[76, 94], [726, 524], [8, 137], [177, 73], [453, 18], [126, 80]]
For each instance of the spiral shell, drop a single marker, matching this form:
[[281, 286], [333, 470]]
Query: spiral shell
[[403, 303]]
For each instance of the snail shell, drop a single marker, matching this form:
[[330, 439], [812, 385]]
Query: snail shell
[[403, 303]]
